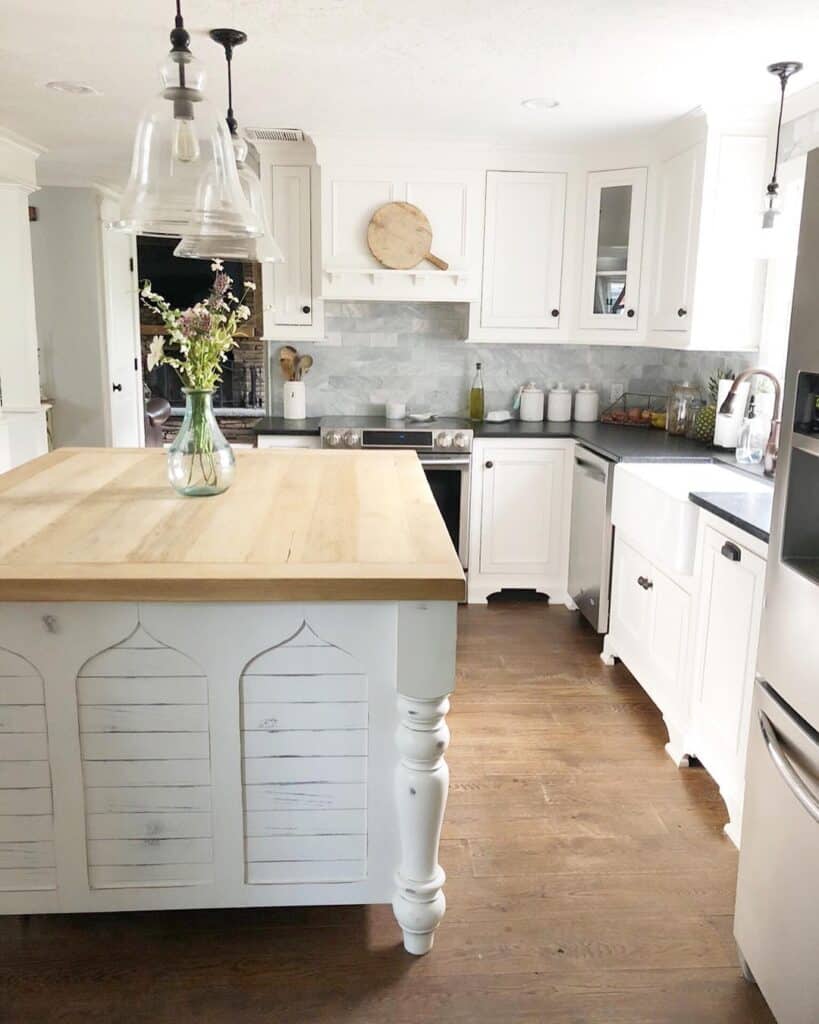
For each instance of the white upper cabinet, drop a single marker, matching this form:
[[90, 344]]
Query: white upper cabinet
[[290, 185], [709, 275], [293, 287], [678, 217], [613, 250], [523, 250]]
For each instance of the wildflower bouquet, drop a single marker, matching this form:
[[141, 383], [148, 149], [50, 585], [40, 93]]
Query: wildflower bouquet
[[196, 344]]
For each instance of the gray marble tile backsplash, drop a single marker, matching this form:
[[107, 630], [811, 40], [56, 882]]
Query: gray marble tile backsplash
[[415, 352]]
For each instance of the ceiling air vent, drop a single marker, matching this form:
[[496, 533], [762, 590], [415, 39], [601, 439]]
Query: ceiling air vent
[[274, 134]]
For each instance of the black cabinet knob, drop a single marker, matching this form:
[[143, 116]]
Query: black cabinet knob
[[555, 312], [489, 464], [116, 387], [629, 313], [682, 311], [305, 309], [644, 582]]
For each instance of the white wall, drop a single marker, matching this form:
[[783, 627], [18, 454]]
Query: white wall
[[68, 284]]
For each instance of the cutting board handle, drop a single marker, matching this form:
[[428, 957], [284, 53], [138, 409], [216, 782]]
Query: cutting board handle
[[437, 262]]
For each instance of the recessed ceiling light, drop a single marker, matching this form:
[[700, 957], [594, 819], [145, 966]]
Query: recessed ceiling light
[[74, 88], [540, 103]]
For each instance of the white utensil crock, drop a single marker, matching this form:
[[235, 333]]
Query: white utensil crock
[[295, 402]]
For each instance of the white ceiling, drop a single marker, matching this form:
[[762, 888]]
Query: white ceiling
[[425, 68]]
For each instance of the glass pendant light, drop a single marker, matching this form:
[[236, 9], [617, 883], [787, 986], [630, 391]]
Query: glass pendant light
[[183, 171], [263, 249], [773, 202]]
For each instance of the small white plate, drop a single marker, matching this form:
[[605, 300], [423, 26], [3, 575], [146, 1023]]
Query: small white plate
[[421, 417]]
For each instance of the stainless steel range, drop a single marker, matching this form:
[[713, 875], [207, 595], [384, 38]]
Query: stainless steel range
[[444, 448]]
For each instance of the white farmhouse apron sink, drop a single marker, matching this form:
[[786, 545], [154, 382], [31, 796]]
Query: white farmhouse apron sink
[[650, 505]]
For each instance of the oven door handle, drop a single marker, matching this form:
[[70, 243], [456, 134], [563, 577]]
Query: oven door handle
[[445, 463]]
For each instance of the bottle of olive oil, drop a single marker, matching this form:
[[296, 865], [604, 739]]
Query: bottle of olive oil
[[477, 403]]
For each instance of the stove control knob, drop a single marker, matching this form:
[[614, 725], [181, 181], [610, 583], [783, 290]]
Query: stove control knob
[[461, 441], [352, 439], [443, 441], [333, 439]]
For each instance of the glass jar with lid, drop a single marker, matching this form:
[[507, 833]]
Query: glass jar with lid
[[684, 399]]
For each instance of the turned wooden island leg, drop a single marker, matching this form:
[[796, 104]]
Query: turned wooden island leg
[[421, 785]]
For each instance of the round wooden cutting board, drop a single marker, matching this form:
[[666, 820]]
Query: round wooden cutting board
[[399, 236]]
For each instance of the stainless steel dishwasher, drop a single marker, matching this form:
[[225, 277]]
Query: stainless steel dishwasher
[[591, 537]]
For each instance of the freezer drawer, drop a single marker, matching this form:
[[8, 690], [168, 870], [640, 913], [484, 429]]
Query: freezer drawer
[[777, 910]]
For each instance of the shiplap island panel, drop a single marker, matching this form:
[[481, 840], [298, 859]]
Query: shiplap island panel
[[227, 701]]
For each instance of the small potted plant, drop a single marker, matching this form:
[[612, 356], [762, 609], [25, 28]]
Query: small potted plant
[[195, 344]]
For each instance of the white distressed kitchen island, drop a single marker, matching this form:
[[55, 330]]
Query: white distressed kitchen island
[[228, 701]]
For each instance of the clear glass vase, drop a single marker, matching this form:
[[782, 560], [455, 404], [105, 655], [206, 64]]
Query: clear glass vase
[[200, 460]]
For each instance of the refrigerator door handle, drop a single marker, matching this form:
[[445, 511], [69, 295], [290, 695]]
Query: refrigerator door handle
[[786, 769]]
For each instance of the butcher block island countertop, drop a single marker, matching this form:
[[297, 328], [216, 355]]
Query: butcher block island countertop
[[229, 701], [87, 524]]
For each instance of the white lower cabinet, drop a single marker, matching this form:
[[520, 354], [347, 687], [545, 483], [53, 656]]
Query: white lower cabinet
[[731, 570], [649, 627], [691, 643], [519, 517]]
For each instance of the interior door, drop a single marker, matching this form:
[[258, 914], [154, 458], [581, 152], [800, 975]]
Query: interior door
[[523, 249], [679, 218], [521, 509], [122, 340]]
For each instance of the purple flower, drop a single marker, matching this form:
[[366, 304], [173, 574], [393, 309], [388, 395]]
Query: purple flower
[[221, 283], [196, 321]]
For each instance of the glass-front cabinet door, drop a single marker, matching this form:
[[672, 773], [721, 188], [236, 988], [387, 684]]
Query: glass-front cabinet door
[[613, 249]]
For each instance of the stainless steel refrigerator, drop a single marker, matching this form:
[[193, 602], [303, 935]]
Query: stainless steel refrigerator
[[777, 909]]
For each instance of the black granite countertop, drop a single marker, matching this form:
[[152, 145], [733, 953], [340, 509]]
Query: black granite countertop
[[749, 511]]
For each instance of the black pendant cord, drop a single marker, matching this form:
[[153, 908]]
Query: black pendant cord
[[231, 120], [180, 41], [228, 39], [773, 186]]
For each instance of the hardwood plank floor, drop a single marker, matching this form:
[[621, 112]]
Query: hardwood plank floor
[[589, 882]]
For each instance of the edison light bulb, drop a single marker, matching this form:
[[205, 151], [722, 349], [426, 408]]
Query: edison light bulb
[[185, 142]]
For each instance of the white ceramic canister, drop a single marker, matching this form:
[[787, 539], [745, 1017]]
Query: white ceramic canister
[[560, 404], [726, 428], [531, 403], [295, 401], [586, 404]]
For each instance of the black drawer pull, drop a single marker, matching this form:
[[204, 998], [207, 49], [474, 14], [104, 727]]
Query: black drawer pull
[[731, 552], [644, 582]]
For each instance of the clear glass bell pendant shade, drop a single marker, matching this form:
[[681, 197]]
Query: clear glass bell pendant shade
[[258, 250], [183, 172]]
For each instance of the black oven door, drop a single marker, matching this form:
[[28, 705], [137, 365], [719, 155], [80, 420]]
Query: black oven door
[[448, 478]]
